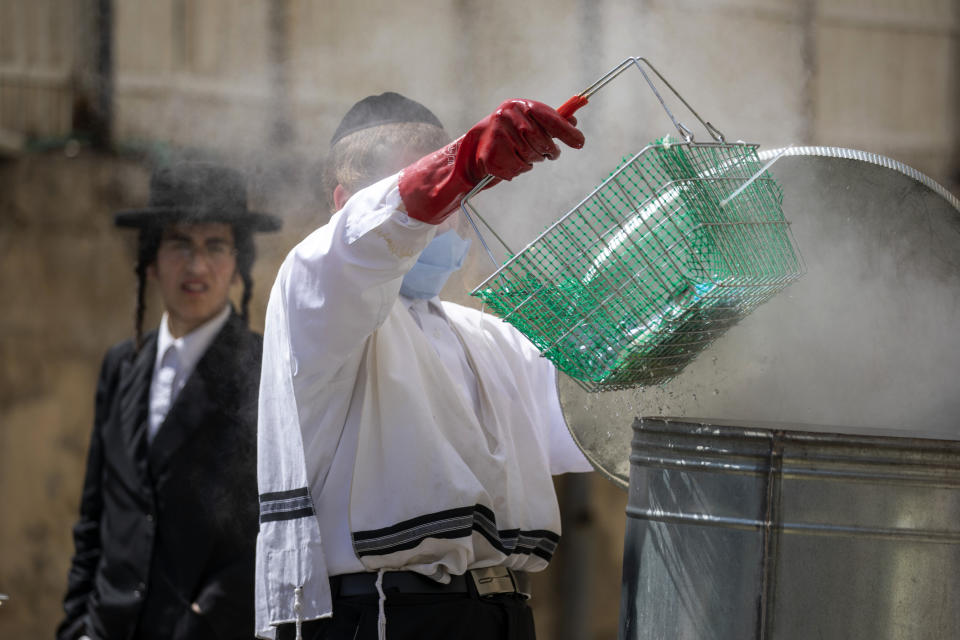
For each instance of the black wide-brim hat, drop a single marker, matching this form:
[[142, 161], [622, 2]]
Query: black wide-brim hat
[[197, 192]]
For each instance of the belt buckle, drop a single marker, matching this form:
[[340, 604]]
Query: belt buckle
[[490, 581]]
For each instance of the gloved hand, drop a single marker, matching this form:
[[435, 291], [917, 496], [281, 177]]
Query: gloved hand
[[504, 144]]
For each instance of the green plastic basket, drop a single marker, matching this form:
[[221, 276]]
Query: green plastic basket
[[680, 242]]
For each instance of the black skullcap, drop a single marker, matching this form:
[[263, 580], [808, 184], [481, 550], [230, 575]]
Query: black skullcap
[[386, 108]]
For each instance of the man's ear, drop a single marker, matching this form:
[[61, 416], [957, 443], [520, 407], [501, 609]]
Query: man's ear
[[152, 270], [340, 197]]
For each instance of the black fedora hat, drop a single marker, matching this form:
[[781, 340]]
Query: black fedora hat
[[197, 192]]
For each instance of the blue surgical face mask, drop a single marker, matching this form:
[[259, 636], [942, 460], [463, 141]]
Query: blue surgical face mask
[[440, 258]]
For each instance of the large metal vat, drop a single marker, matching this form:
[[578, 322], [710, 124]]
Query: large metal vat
[[787, 532]]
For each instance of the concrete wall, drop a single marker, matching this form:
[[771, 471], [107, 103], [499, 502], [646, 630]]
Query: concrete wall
[[880, 75], [41, 48], [65, 280]]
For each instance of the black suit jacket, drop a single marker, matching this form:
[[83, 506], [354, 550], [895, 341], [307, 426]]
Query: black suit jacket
[[165, 543]]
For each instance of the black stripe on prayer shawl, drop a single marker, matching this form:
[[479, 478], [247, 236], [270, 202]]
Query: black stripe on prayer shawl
[[285, 505], [455, 523]]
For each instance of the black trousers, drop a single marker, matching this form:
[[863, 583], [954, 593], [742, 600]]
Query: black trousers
[[422, 617]]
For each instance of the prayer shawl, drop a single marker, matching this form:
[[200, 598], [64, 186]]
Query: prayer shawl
[[435, 487]]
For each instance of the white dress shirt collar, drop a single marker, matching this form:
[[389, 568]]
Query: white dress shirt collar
[[166, 383], [190, 347]]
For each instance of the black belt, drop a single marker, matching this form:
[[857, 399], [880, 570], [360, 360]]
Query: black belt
[[477, 583]]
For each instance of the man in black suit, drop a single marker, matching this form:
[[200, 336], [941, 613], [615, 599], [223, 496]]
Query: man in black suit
[[168, 515]]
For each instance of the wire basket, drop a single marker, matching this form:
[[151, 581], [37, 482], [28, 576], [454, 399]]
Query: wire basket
[[682, 241]]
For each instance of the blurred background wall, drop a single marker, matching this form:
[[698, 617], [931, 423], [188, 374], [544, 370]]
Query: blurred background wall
[[93, 93]]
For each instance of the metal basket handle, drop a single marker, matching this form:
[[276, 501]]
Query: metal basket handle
[[582, 98], [567, 109]]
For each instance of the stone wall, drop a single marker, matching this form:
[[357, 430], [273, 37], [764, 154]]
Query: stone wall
[[66, 281]]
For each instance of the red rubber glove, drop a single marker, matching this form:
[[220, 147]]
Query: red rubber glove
[[504, 144]]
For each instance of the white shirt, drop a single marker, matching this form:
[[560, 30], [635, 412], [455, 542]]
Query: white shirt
[[172, 372], [429, 316], [373, 450]]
